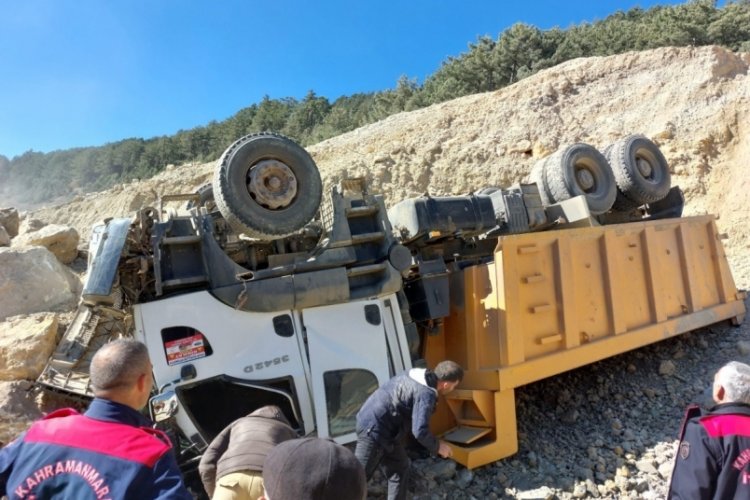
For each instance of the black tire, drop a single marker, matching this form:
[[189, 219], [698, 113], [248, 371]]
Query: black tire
[[267, 186], [537, 177], [206, 198], [622, 203], [577, 170], [640, 169]]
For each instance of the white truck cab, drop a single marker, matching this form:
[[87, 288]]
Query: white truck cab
[[318, 364]]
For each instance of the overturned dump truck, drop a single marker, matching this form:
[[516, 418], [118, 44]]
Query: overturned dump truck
[[252, 293]]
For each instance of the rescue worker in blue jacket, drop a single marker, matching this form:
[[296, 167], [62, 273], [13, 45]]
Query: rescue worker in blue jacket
[[713, 458], [111, 451], [403, 404]]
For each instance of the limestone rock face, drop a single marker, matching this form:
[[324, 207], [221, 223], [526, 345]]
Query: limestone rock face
[[9, 220], [4, 237], [58, 239], [26, 343], [33, 280]]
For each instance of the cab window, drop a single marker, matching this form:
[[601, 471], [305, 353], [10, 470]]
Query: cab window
[[183, 344], [346, 392]]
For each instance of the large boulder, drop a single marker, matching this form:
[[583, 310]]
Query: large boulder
[[60, 240], [4, 237], [33, 280], [9, 220], [26, 343]]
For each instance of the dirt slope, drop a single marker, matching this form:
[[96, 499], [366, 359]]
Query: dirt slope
[[694, 102]]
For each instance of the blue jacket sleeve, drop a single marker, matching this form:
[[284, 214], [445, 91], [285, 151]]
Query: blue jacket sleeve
[[696, 466], [168, 483], [424, 406], [7, 458]]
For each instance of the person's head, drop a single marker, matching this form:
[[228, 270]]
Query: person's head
[[121, 371], [313, 469], [449, 374], [732, 383]]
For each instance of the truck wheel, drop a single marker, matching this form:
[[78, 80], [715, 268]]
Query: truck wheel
[[267, 186], [537, 177], [640, 169], [206, 194], [580, 169]]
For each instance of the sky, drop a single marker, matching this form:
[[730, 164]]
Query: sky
[[77, 73]]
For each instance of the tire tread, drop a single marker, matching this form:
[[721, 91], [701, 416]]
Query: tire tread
[[235, 217], [633, 188]]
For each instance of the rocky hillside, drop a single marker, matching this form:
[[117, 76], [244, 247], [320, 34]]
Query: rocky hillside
[[694, 102], [607, 429]]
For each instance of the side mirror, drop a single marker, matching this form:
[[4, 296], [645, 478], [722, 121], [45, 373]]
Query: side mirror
[[162, 406]]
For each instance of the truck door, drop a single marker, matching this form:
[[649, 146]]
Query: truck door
[[242, 360], [348, 361]]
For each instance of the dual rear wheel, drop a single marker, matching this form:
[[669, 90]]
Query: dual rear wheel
[[629, 173]]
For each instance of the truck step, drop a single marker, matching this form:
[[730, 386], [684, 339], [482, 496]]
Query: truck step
[[465, 434], [359, 239], [181, 240], [366, 211], [362, 270], [191, 280]]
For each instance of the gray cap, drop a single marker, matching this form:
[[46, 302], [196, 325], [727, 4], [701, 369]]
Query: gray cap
[[313, 469]]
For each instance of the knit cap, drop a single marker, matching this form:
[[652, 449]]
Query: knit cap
[[313, 469]]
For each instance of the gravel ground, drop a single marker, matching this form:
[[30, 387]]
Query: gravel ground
[[607, 430]]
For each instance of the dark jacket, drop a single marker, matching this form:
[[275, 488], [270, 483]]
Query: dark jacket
[[406, 402], [713, 459], [243, 445], [109, 452]]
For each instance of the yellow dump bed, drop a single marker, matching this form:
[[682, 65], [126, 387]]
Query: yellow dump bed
[[558, 300]]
